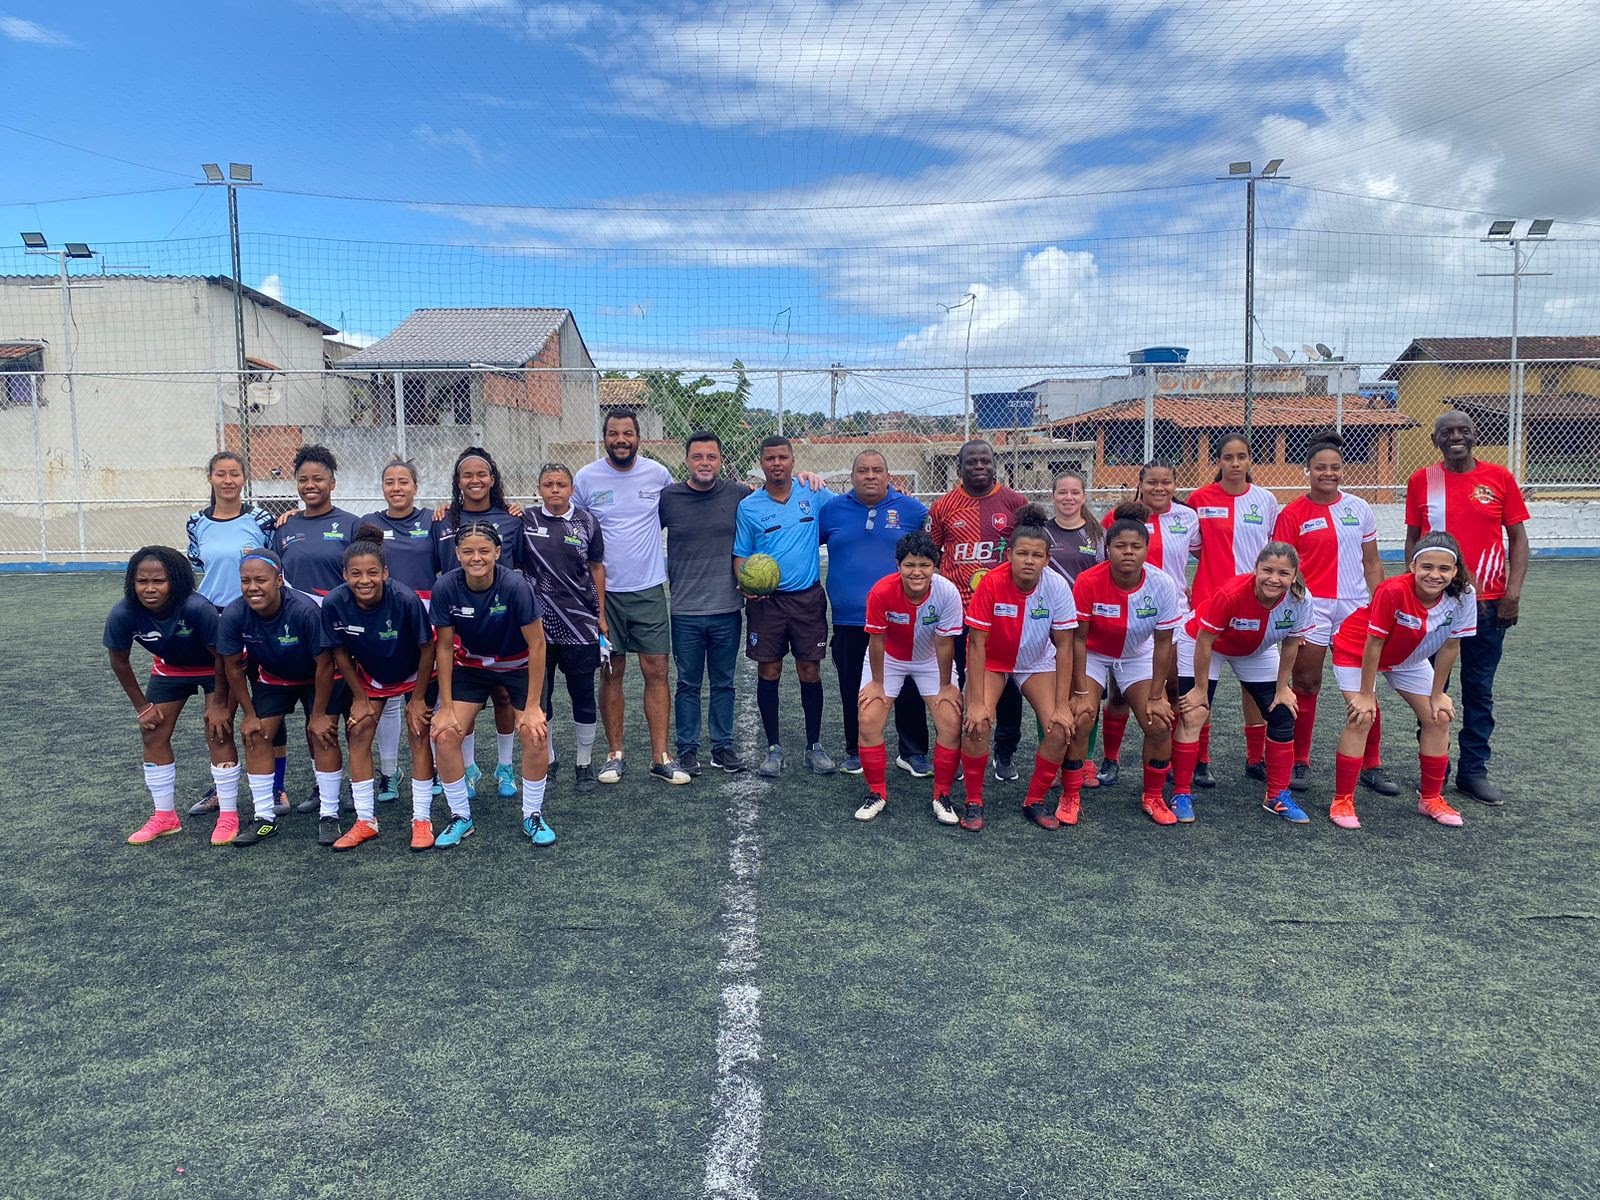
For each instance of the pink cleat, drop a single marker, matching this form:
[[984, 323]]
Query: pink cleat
[[160, 825]]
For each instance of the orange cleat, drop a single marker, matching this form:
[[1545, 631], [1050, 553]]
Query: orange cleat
[[421, 835], [1342, 812], [1435, 808], [1155, 807], [1067, 811], [160, 825], [361, 831], [227, 829], [1091, 773]]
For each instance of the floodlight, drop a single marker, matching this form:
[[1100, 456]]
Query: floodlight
[[213, 172], [1238, 168], [1540, 228], [1272, 167], [35, 241], [1500, 229], [1324, 351], [241, 172], [79, 250]]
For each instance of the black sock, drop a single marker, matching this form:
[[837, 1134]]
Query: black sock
[[811, 705], [767, 702]]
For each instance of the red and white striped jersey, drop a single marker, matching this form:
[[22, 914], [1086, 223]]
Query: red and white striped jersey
[[972, 532], [1244, 625], [1476, 507], [909, 628], [1330, 539], [1119, 623], [1019, 624], [1232, 531], [1411, 633], [1174, 535]]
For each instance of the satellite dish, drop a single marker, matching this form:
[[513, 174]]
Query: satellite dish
[[259, 396], [1311, 353], [1281, 354], [1324, 351]]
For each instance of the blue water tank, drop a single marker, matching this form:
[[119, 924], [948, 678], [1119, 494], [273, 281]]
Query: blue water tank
[[1159, 354], [1004, 410]]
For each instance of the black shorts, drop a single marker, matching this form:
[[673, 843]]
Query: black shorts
[[572, 660], [1280, 723], [474, 685], [278, 699], [788, 623], [339, 701], [164, 689]]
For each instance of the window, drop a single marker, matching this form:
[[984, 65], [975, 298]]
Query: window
[[1124, 444], [1360, 443], [20, 390], [1296, 441]]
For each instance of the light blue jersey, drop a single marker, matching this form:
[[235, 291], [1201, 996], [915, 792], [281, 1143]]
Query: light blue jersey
[[215, 548], [787, 531]]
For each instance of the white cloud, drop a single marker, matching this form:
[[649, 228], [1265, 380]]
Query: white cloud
[[272, 286], [19, 30], [451, 139]]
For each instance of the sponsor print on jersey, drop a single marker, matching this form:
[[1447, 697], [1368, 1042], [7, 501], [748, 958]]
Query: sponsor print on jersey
[[604, 496], [1409, 621], [1347, 516], [1246, 624], [1213, 513], [287, 638], [975, 552], [1107, 610], [497, 607], [1005, 610], [1038, 612], [1483, 495], [388, 633], [998, 520], [1287, 619], [332, 534], [899, 618], [1313, 525], [1146, 608], [1253, 517]]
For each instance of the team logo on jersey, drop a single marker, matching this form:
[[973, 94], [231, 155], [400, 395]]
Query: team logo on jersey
[[332, 534], [805, 508], [1107, 610], [497, 607], [974, 552], [891, 519], [1313, 525], [898, 618], [1483, 494], [572, 539], [183, 629], [1176, 525], [1005, 610], [417, 530], [288, 638], [1039, 612], [1145, 609], [1245, 624], [1348, 517], [463, 610], [930, 615], [1286, 619], [388, 633], [998, 520], [1212, 513], [1409, 621], [606, 496], [1253, 517]]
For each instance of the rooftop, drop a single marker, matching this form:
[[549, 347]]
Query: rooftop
[[260, 299], [1227, 412], [1493, 349], [462, 337]]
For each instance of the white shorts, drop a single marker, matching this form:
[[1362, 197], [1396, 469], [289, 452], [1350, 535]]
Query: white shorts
[[1260, 667], [1413, 679], [1327, 616], [895, 673], [1127, 671]]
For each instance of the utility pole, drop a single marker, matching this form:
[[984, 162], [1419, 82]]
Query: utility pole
[[1242, 171], [1503, 233], [239, 175], [836, 375]]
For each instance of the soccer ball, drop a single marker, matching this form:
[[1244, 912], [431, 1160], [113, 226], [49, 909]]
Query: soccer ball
[[759, 576]]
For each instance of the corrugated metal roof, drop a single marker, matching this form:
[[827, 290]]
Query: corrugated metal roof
[[1225, 412], [458, 337], [11, 351], [1544, 406], [1494, 349], [224, 281]]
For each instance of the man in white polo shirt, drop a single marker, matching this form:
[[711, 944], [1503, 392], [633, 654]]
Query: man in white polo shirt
[[623, 492]]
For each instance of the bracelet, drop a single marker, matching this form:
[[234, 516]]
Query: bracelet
[[148, 706]]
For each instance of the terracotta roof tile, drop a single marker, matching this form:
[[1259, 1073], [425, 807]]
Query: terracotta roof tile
[[1227, 412]]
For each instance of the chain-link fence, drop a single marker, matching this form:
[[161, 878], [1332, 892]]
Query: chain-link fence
[[95, 464]]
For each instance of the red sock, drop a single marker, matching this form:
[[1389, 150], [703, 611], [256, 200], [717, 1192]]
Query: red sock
[[1346, 770], [945, 761], [1280, 765], [1255, 743], [1205, 750], [1154, 779], [1184, 755], [1304, 724], [1434, 768], [1374, 753], [973, 767], [1044, 774], [1111, 731], [1072, 782], [875, 766]]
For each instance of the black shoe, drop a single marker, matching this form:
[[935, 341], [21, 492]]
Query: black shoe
[[1004, 771], [1043, 815], [586, 782], [1109, 773], [1203, 778], [311, 803], [328, 831], [1376, 779], [1481, 788], [689, 760], [1256, 771], [1300, 777], [972, 817], [256, 831], [728, 759]]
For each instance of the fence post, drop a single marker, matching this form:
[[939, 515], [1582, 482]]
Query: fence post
[[222, 416], [780, 403], [1338, 403], [77, 462], [1149, 415], [594, 383], [38, 470], [399, 414]]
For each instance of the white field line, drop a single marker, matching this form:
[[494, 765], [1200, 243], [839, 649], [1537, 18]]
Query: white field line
[[734, 1150]]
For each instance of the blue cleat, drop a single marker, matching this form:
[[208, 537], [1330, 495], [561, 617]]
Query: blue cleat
[[387, 791], [459, 829], [506, 781], [474, 773], [1183, 807], [538, 831], [1285, 807]]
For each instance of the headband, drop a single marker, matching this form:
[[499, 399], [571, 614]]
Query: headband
[[1421, 550], [266, 558], [466, 458]]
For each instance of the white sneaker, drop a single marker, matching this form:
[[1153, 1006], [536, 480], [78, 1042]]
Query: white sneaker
[[871, 806], [611, 770], [944, 812]]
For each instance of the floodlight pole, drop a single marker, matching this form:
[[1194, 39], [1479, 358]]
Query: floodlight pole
[[1251, 178], [1514, 390], [61, 257], [240, 365]]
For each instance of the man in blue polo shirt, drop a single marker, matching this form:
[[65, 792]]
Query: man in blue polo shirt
[[860, 530], [781, 519]]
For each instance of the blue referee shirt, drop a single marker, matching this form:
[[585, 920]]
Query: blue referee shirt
[[787, 531], [861, 539]]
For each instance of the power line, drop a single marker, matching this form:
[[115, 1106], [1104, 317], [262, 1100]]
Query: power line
[[128, 162], [1471, 212], [90, 196]]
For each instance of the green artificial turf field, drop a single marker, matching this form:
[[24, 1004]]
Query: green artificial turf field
[[1235, 1008]]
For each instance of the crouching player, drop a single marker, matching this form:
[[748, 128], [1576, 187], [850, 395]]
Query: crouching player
[[913, 618], [1127, 611], [1413, 617], [1020, 627], [1253, 622], [383, 646]]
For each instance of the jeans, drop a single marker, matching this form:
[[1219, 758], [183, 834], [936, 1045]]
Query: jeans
[[1007, 710], [1480, 658], [910, 710], [698, 644]]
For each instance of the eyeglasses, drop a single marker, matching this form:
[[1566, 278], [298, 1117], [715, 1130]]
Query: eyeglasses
[[872, 516]]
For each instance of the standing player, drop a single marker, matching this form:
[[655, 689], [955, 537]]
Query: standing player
[[408, 555], [1254, 622], [1077, 539], [490, 636], [862, 529], [312, 540], [1236, 518], [161, 610], [911, 619], [1020, 625], [971, 524], [1337, 537], [382, 644], [281, 631], [1420, 615], [1480, 505], [562, 549], [780, 519], [1127, 610], [623, 491]]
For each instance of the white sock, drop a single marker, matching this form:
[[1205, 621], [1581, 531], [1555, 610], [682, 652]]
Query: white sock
[[422, 799], [455, 795], [585, 744], [389, 734], [469, 749], [365, 793], [261, 796], [328, 791], [504, 745], [532, 797], [226, 778], [162, 782]]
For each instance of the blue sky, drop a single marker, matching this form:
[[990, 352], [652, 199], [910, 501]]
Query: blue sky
[[703, 168]]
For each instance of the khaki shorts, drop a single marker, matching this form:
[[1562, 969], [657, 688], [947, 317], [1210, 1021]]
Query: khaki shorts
[[638, 621]]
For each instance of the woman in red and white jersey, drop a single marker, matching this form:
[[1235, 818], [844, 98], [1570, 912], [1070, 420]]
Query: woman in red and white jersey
[[1337, 537], [1254, 622], [1236, 519], [1413, 617], [1019, 626], [913, 618], [1127, 611]]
